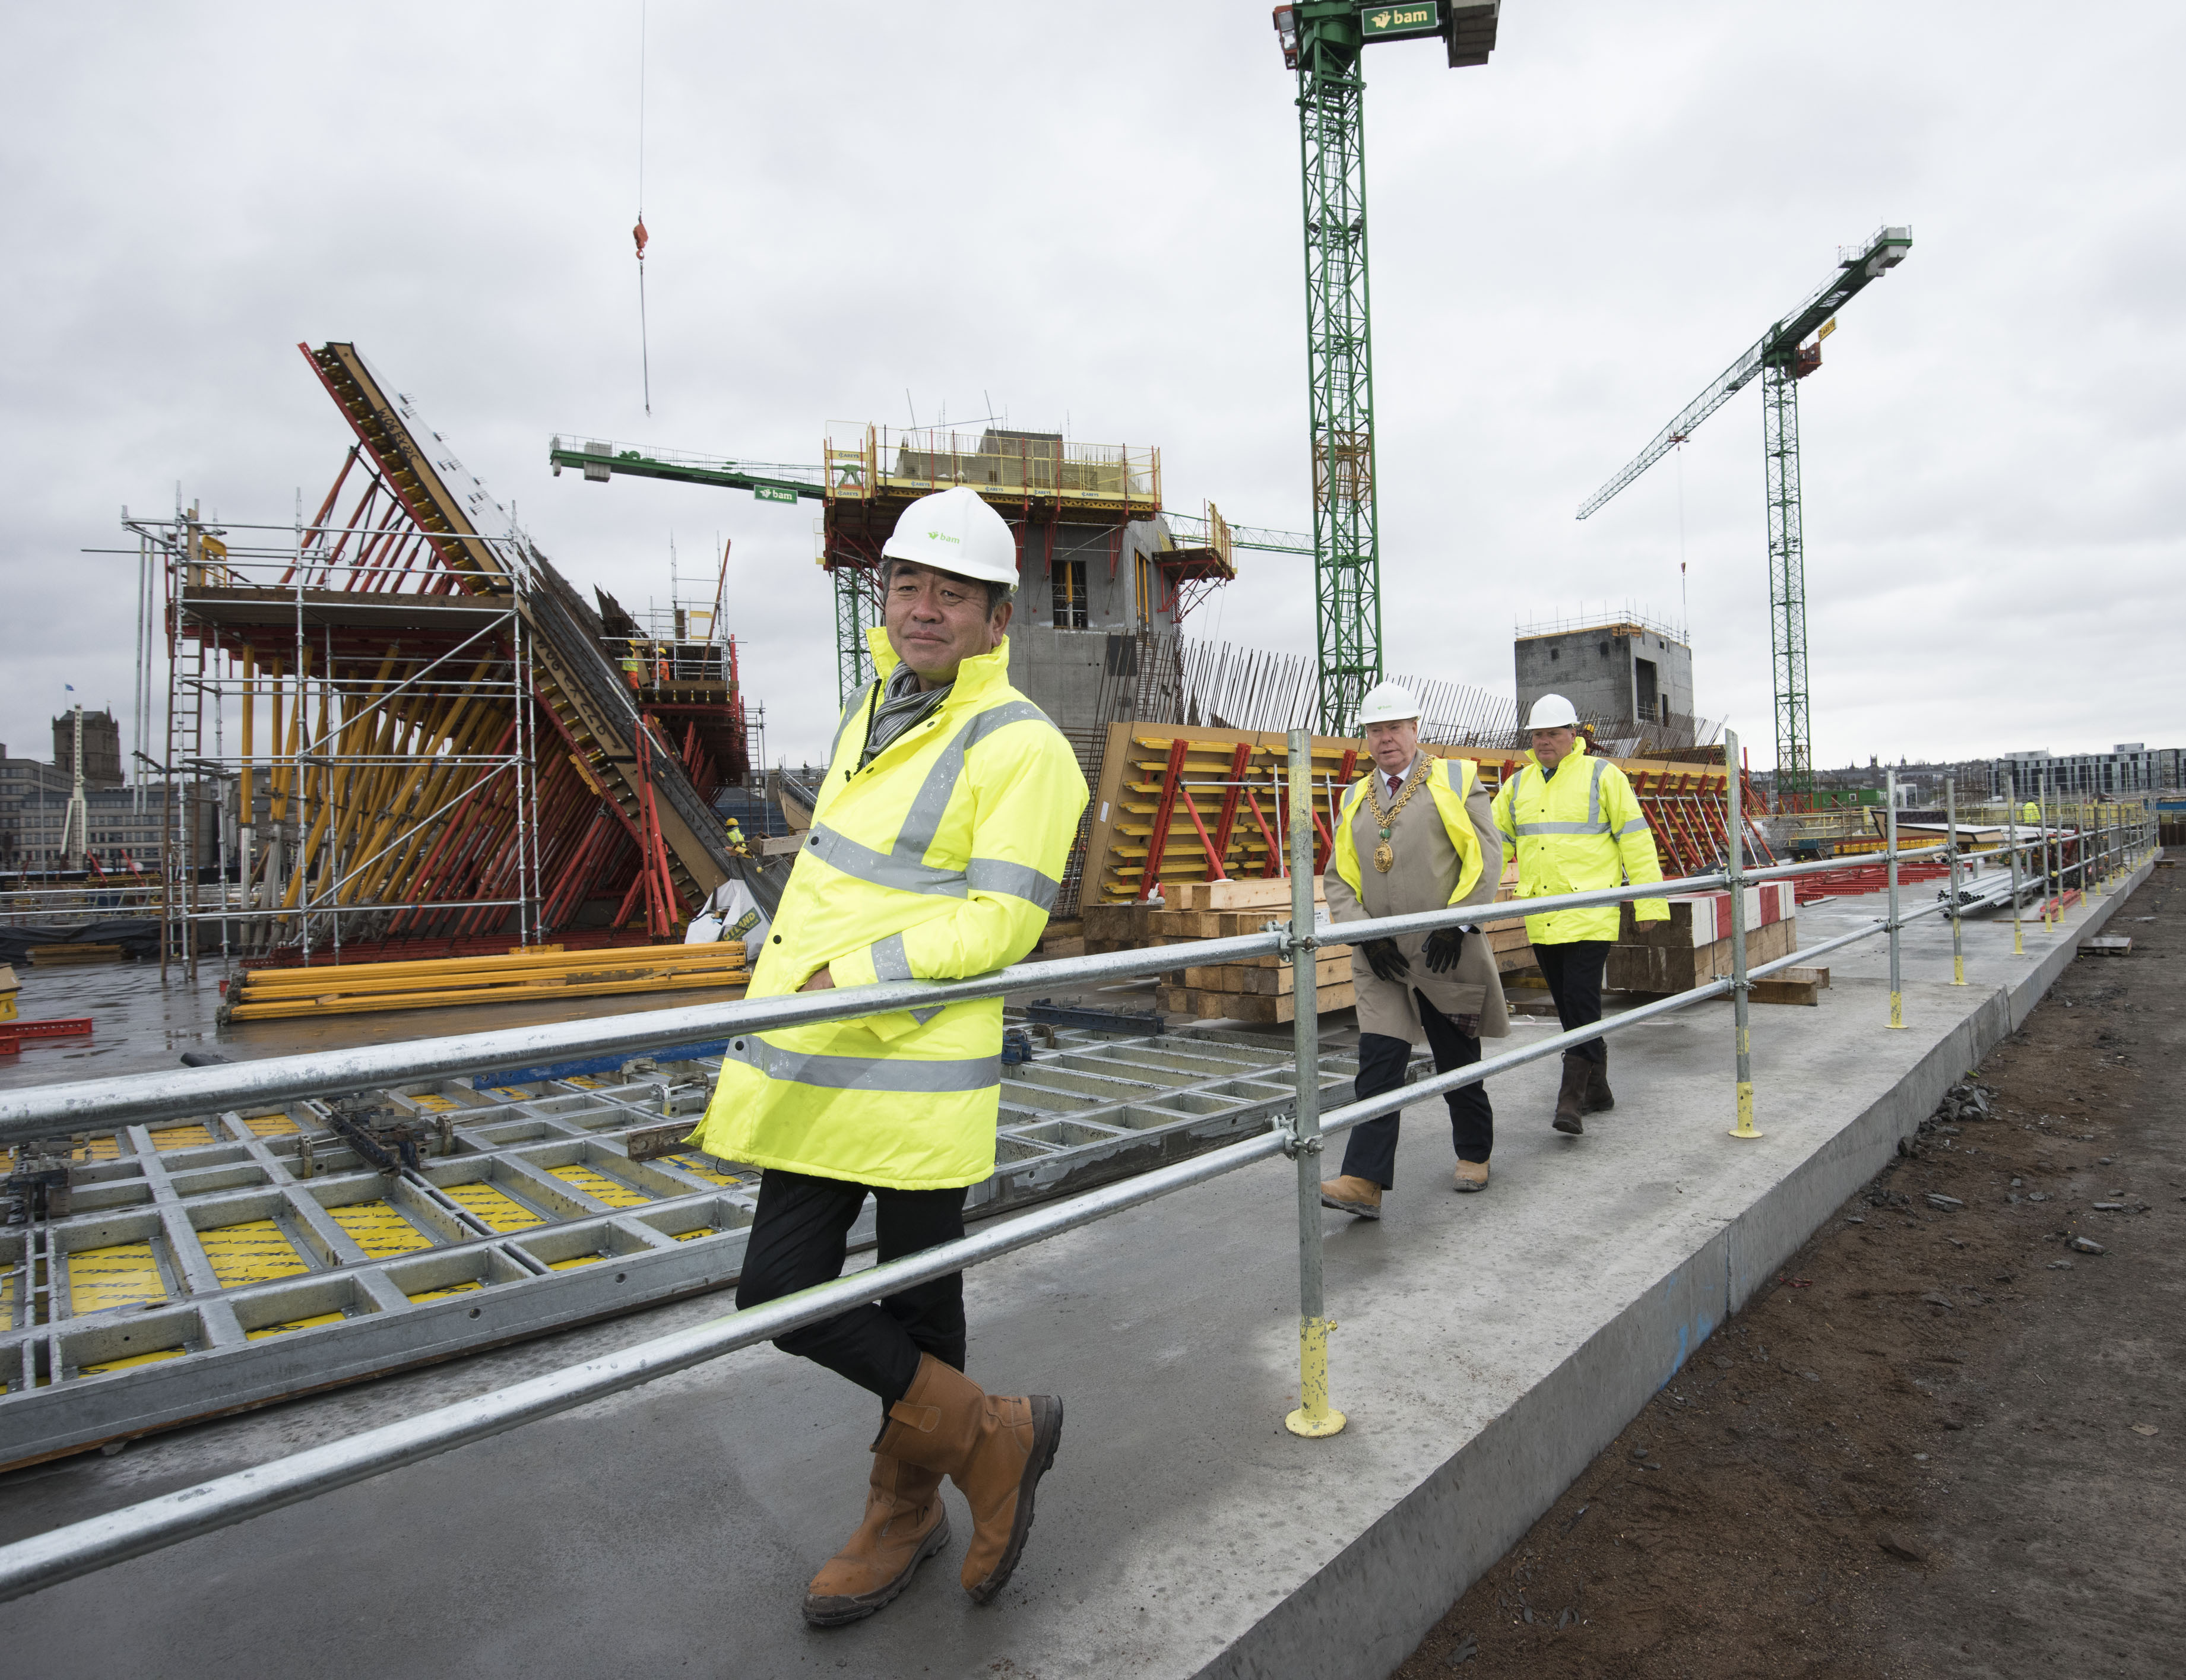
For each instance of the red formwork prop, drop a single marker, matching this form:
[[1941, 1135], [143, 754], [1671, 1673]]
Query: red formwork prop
[[13, 1032]]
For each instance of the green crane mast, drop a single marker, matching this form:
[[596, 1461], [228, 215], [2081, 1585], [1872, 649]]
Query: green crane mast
[[1781, 357], [1321, 40]]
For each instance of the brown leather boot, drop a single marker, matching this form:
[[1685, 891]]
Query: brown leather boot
[[1597, 1096], [905, 1524], [1571, 1098], [994, 1449], [1348, 1195]]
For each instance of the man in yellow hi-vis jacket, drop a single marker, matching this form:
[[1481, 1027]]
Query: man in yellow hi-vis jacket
[[1415, 833], [1577, 827], [936, 850]]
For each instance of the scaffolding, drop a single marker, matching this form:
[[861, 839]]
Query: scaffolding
[[381, 776], [449, 753]]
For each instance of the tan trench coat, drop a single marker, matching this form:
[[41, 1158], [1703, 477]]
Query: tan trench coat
[[1425, 874]]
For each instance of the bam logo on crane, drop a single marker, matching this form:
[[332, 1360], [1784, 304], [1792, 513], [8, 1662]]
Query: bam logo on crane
[[1385, 23]]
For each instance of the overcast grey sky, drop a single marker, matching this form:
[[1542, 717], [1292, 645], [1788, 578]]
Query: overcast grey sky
[[1090, 215]]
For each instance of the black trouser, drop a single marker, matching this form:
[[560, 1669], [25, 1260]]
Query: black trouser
[[1573, 972], [798, 1238], [1372, 1152]]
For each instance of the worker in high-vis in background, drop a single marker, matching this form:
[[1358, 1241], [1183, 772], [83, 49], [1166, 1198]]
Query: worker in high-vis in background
[[2031, 814], [1577, 827], [1415, 833], [732, 832], [937, 846]]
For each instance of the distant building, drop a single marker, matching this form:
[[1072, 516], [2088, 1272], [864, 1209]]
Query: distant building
[[1614, 671], [2129, 767], [34, 805], [102, 747]]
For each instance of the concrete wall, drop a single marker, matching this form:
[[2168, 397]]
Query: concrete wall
[[1598, 670], [1064, 668]]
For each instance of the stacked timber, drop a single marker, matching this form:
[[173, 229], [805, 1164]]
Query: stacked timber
[[1693, 947], [1256, 988], [524, 974]]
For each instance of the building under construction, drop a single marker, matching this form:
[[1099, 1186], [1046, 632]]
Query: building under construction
[[413, 731]]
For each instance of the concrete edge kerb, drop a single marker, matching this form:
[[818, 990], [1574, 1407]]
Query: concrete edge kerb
[[1368, 1608]]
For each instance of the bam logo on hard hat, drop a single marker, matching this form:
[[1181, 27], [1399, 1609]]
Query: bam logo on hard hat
[[942, 537]]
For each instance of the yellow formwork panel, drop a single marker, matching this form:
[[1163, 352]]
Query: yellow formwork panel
[[435, 1104], [181, 1137], [508, 1092], [500, 1212], [270, 1125], [127, 1360], [294, 1324], [254, 1251], [443, 1294], [697, 1168], [377, 1229], [572, 1262], [583, 1082], [105, 1148], [119, 1275], [599, 1186], [692, 1236]]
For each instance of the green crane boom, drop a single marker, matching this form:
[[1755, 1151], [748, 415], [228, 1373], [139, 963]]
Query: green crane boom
[[1321, 40], [1780, 358]]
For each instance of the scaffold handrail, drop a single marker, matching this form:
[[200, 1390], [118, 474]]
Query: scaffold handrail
[[79, 1549]]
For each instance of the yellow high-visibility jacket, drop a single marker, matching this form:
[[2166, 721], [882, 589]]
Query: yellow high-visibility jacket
[[1578, 831], [1450, 782], [2031, 813], [938, 861]]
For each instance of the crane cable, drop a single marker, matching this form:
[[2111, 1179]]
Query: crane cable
[[637, 233]]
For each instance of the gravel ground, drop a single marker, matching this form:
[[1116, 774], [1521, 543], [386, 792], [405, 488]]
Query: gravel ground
[[1950, 1440]]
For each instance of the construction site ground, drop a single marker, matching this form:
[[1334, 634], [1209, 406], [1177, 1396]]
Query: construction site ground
[[1490, 1348], [1944, 1442]]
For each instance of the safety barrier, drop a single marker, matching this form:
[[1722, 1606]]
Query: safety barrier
[[82, 1548]]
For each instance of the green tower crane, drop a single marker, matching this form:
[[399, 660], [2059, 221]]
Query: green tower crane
[[1321, 40], [1781, 357]]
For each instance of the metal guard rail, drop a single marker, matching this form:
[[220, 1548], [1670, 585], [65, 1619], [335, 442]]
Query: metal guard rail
[[44, 1111], [79, 1549]]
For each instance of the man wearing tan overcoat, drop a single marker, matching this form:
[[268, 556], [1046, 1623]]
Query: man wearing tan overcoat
[[1416, 833]]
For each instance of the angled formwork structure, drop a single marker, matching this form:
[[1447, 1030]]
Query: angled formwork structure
[[431, 739]]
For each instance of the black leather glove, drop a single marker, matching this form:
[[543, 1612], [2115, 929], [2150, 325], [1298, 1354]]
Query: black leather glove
[[1387, 962], [1444, 946]]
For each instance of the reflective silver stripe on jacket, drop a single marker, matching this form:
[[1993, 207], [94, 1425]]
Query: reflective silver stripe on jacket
[[902, 866], [890, 960], [869, 1074], [1592, 825]]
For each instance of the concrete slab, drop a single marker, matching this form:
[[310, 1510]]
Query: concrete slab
[[1488, 1346]]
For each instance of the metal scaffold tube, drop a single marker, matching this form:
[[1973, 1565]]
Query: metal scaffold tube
[[1313, 1416]]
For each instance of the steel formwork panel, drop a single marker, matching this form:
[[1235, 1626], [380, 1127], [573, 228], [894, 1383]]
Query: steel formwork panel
[[213, 1264]]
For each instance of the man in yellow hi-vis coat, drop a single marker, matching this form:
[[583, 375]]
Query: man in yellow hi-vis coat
[[936, 850], [1415, 833], [1577, 827]]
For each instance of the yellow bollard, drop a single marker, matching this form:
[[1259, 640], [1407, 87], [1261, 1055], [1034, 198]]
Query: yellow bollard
[[1316, 1416]]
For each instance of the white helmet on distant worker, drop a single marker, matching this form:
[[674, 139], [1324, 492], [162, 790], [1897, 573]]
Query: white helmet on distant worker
[[955, 531], [1552, 711], [1387, 702]]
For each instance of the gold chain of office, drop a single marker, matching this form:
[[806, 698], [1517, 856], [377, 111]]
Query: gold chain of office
[[1385, 854]]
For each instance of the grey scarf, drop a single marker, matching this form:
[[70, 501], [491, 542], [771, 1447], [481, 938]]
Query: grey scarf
[[903, 704]]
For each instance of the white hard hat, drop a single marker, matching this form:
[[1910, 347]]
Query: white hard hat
[[1387, 702], [955, 531], [1552, 711]]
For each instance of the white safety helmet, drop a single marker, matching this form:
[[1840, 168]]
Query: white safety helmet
[[1552, 711], [955, 531], [1387, 702]]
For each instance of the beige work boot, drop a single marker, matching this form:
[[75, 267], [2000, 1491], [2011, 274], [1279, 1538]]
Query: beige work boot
[[995, 1449], [1471, 1175], [1571, 1097], [1348, 1195], [904, 1524]]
